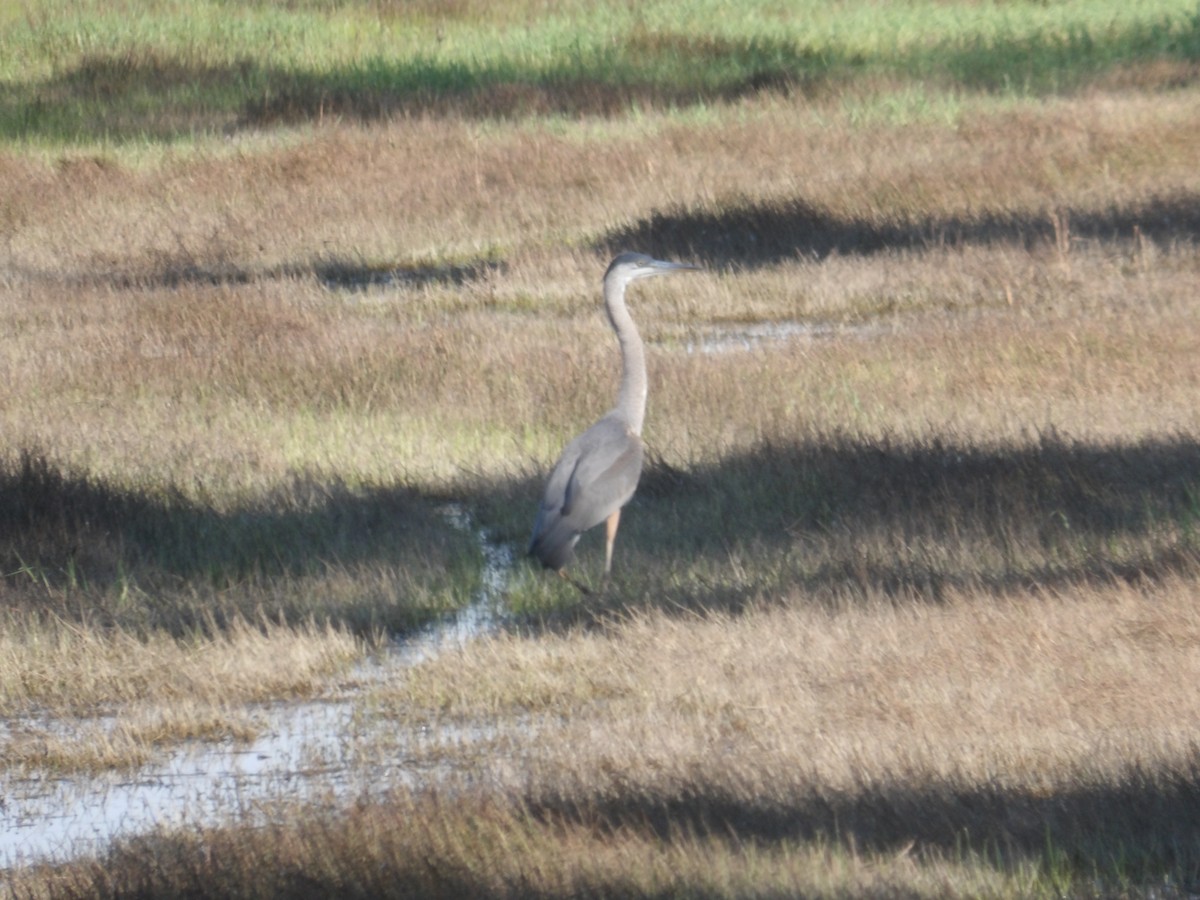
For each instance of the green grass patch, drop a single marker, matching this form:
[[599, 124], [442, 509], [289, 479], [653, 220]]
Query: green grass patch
[[93, 74], [370, 558]]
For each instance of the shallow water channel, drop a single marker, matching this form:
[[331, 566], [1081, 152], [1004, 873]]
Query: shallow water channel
[[305, 751]]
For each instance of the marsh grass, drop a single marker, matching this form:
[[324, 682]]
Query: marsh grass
[[904, 602], [1003, 748], [132, 738], [163, 75], [882, 519], [66, 668], [874, 725], [80, 549], [78, 697]]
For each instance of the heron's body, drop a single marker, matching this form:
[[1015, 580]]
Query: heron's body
[[598, 471], [595, 476]]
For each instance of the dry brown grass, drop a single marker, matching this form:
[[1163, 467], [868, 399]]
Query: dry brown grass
[[129, 698], [488, 851], [1001, 748], [903, 606], [1039, 692], [131, 736], [477, 193], [71, 668], [1061, 714]]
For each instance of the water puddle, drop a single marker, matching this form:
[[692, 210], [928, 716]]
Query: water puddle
[[305, 751], [747, 337]]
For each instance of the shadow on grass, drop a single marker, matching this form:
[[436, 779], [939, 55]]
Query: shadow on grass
[[748, 235], [348, 276], [1137, 836], [335, 273], [161, 97], [152, 95], [829, 518], [836, 519], [761, 234], [735, 236], [1138, 828], [379, 558], [851, 509]]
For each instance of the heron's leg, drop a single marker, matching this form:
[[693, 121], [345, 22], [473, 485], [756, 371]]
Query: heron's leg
[[610, 535]]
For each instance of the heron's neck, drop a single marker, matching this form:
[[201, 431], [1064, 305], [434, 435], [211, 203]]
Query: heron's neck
[[631, 399]]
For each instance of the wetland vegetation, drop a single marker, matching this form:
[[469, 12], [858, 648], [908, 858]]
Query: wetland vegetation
[[905, 603]]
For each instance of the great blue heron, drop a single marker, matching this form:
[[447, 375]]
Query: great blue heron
[[599, 470]]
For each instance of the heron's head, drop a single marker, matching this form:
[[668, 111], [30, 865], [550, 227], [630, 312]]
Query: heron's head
[[631, 266]]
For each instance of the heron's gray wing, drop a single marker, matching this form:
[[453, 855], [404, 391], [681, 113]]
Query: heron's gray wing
[[605, 473], [595, 476]]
